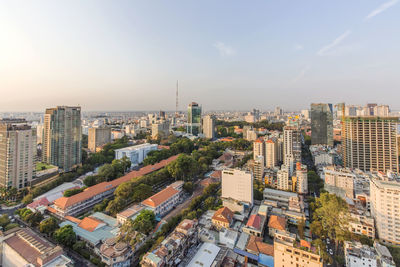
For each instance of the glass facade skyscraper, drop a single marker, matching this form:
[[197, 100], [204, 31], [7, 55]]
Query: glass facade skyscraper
[[322, 124], [194, 119], [62, 137]]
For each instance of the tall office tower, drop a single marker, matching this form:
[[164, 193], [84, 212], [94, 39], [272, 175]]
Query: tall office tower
[[291, 144], [62, 137], [237, 185], [302, 179], [384, 197], [162, 115], [369, 143], [278, 111], [271, 153], [99, 136], [209, 126], [17, 153], [160, 128], [283, 178], [258, 148], [381, 111], [322, 124], [194, 119]]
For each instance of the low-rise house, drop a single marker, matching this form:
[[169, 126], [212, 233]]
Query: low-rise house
[[163, 202], [362, 225], [174, 248], [116, 254], [130, 213], [222, 218], [276, 224], [259, 251], [290, 253], [23, 247], [228, 237], [255, 225], [93, 229], [385, 259]]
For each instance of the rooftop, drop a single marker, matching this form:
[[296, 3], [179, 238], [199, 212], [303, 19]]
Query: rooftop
[[160, 197], [205, 256], [277, 222]]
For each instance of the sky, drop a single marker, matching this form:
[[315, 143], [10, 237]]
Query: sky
[[227, 54]]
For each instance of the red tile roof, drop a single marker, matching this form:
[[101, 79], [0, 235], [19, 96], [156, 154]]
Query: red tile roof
[[254, 221], [277, 222], [160, 197], [257, 246], [65, 202], [40, 202], [223, 215]]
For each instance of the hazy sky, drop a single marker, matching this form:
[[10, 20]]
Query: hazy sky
[[227, 54]]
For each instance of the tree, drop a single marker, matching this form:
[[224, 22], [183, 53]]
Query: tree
[[331, 218], [90, 180], [48, 225], [315, 183], [144, 222], [71, 192], [209, 203], [188, 187], [183, 168], [34, 218], [141, 192], [4, 220], [27, 199], [300, 227], [65, 235]]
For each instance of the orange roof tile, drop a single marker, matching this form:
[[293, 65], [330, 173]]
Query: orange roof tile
[[64, 202], [254, 221], [223, 215], [257, 245], [73, 219], [89, 224], [52, 210], [277, 222], [160, 197]]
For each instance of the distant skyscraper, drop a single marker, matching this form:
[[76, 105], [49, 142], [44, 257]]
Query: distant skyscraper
[[17, 153], [160, 128], [62, 138], [322, 124], [209, 126], [369, 142], [278, 111], [98, 136], [291, 145], [194, 119]]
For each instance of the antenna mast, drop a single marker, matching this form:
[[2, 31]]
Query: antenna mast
[[176, 101]]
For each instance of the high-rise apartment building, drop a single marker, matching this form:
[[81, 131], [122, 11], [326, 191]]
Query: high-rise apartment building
[[369, 143], [271, 153], [160, 129], [301, 178], [17, 153], [322, 124], [385, 204], [258, 168], [194, 119], [209, 126], [62, 137], [258, 148], [291, 144], [283, 178], [98, 136]]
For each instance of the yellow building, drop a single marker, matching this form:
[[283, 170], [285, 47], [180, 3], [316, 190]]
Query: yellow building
[[222, 218]]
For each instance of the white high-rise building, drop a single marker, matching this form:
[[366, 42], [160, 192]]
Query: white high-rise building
[[258, 148], [283, 178], [237, 185], [385, 206], [291, 144]]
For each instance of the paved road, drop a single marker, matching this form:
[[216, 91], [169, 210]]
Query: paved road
[[185, 204]]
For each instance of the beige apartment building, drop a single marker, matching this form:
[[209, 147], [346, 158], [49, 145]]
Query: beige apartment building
[[209, 126], [339, 181], [369, 143], [271, 153], [301, 178], [385, 207], [98, 136], [290, 253], [17, 153], [237, 185], [258, 148]]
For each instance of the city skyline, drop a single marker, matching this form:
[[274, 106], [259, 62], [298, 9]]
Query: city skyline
[[129, 56]]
